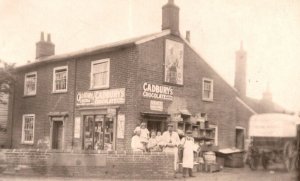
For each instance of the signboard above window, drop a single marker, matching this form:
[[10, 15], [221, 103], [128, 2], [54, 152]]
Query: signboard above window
[[174, 62], [101, 97]]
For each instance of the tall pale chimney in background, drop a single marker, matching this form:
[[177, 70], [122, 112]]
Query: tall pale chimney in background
[[241, 71], [188, 36], [170, 17], [44, 48]]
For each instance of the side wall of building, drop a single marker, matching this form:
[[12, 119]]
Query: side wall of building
[[221, 111]]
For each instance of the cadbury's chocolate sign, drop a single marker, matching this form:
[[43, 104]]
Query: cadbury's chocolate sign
[[157, 91], [101, 97]]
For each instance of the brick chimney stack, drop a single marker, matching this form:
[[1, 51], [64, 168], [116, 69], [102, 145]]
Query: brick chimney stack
[[170, 17], [44, 48], [241, 71]]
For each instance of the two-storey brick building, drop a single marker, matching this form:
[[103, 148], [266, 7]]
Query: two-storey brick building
[[94, 98]]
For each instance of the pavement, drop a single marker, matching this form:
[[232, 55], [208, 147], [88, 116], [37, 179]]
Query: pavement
[[227, 174]]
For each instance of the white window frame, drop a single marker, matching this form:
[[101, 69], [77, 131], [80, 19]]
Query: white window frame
[[54, 78], [92, 87], [25, 78], [216, 133], [211, 97], [23, 133]]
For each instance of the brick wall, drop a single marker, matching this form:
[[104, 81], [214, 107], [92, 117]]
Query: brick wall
[[221, 111], [123, 75], [87, 164], [43, 103], [130, 67]]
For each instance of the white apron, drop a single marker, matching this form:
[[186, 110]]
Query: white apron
[[188, 152]]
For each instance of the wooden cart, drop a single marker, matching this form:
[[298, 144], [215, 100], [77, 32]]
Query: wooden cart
[[274, 139]]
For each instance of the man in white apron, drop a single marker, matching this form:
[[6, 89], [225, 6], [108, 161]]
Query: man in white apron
[[188, 145], [171, 141]]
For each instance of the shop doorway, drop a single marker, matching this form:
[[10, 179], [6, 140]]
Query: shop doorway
[[57, 135], [155, 123], [98, 132], [239, 138]]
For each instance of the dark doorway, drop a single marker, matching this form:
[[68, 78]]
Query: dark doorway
[[239, 138], [57, 135], [155, 123]]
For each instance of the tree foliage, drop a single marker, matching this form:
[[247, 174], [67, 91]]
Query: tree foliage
[[7, 79]]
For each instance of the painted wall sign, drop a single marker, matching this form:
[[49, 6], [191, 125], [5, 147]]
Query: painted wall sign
[[157, 91], [77, 127], [156, 105], [121, 126], [174, 62], [101, 97]]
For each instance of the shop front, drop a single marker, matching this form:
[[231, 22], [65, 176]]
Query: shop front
[[98, 111]]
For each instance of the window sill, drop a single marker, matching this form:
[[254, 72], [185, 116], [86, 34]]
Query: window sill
[[33, 95], [98, 88], [207, 100], [23, 143], [59, 92]]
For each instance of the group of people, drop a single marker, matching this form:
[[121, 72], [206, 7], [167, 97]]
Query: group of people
[[168, 142]]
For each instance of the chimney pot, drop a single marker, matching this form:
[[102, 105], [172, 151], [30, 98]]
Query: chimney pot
[[49, 38], [42, 36], [44, 48], [188, 36]]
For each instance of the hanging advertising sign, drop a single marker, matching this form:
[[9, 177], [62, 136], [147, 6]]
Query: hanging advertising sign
[[174, 62], [157, 91], [156, 105], [101, 97], [77, 127], [121, 126]]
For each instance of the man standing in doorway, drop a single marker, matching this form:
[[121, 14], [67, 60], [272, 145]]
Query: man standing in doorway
[[171, 141]]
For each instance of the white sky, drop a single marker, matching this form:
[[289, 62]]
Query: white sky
[[270, 30]]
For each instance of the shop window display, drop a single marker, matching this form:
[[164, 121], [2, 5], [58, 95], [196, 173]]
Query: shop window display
[[98, 132]]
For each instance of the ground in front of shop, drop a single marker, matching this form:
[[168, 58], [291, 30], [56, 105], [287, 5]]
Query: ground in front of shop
[[227, 174]]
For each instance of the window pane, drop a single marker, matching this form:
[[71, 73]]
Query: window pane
[[100, 74], [28, 128], [30, 84], [61, 79]]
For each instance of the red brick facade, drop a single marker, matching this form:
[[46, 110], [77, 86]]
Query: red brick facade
[[130, 67]]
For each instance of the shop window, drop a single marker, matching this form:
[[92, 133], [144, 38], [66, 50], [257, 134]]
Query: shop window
[[98, 132], [207, 89], [100, 71], [60, 79], [28, 128], [30, 84]]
